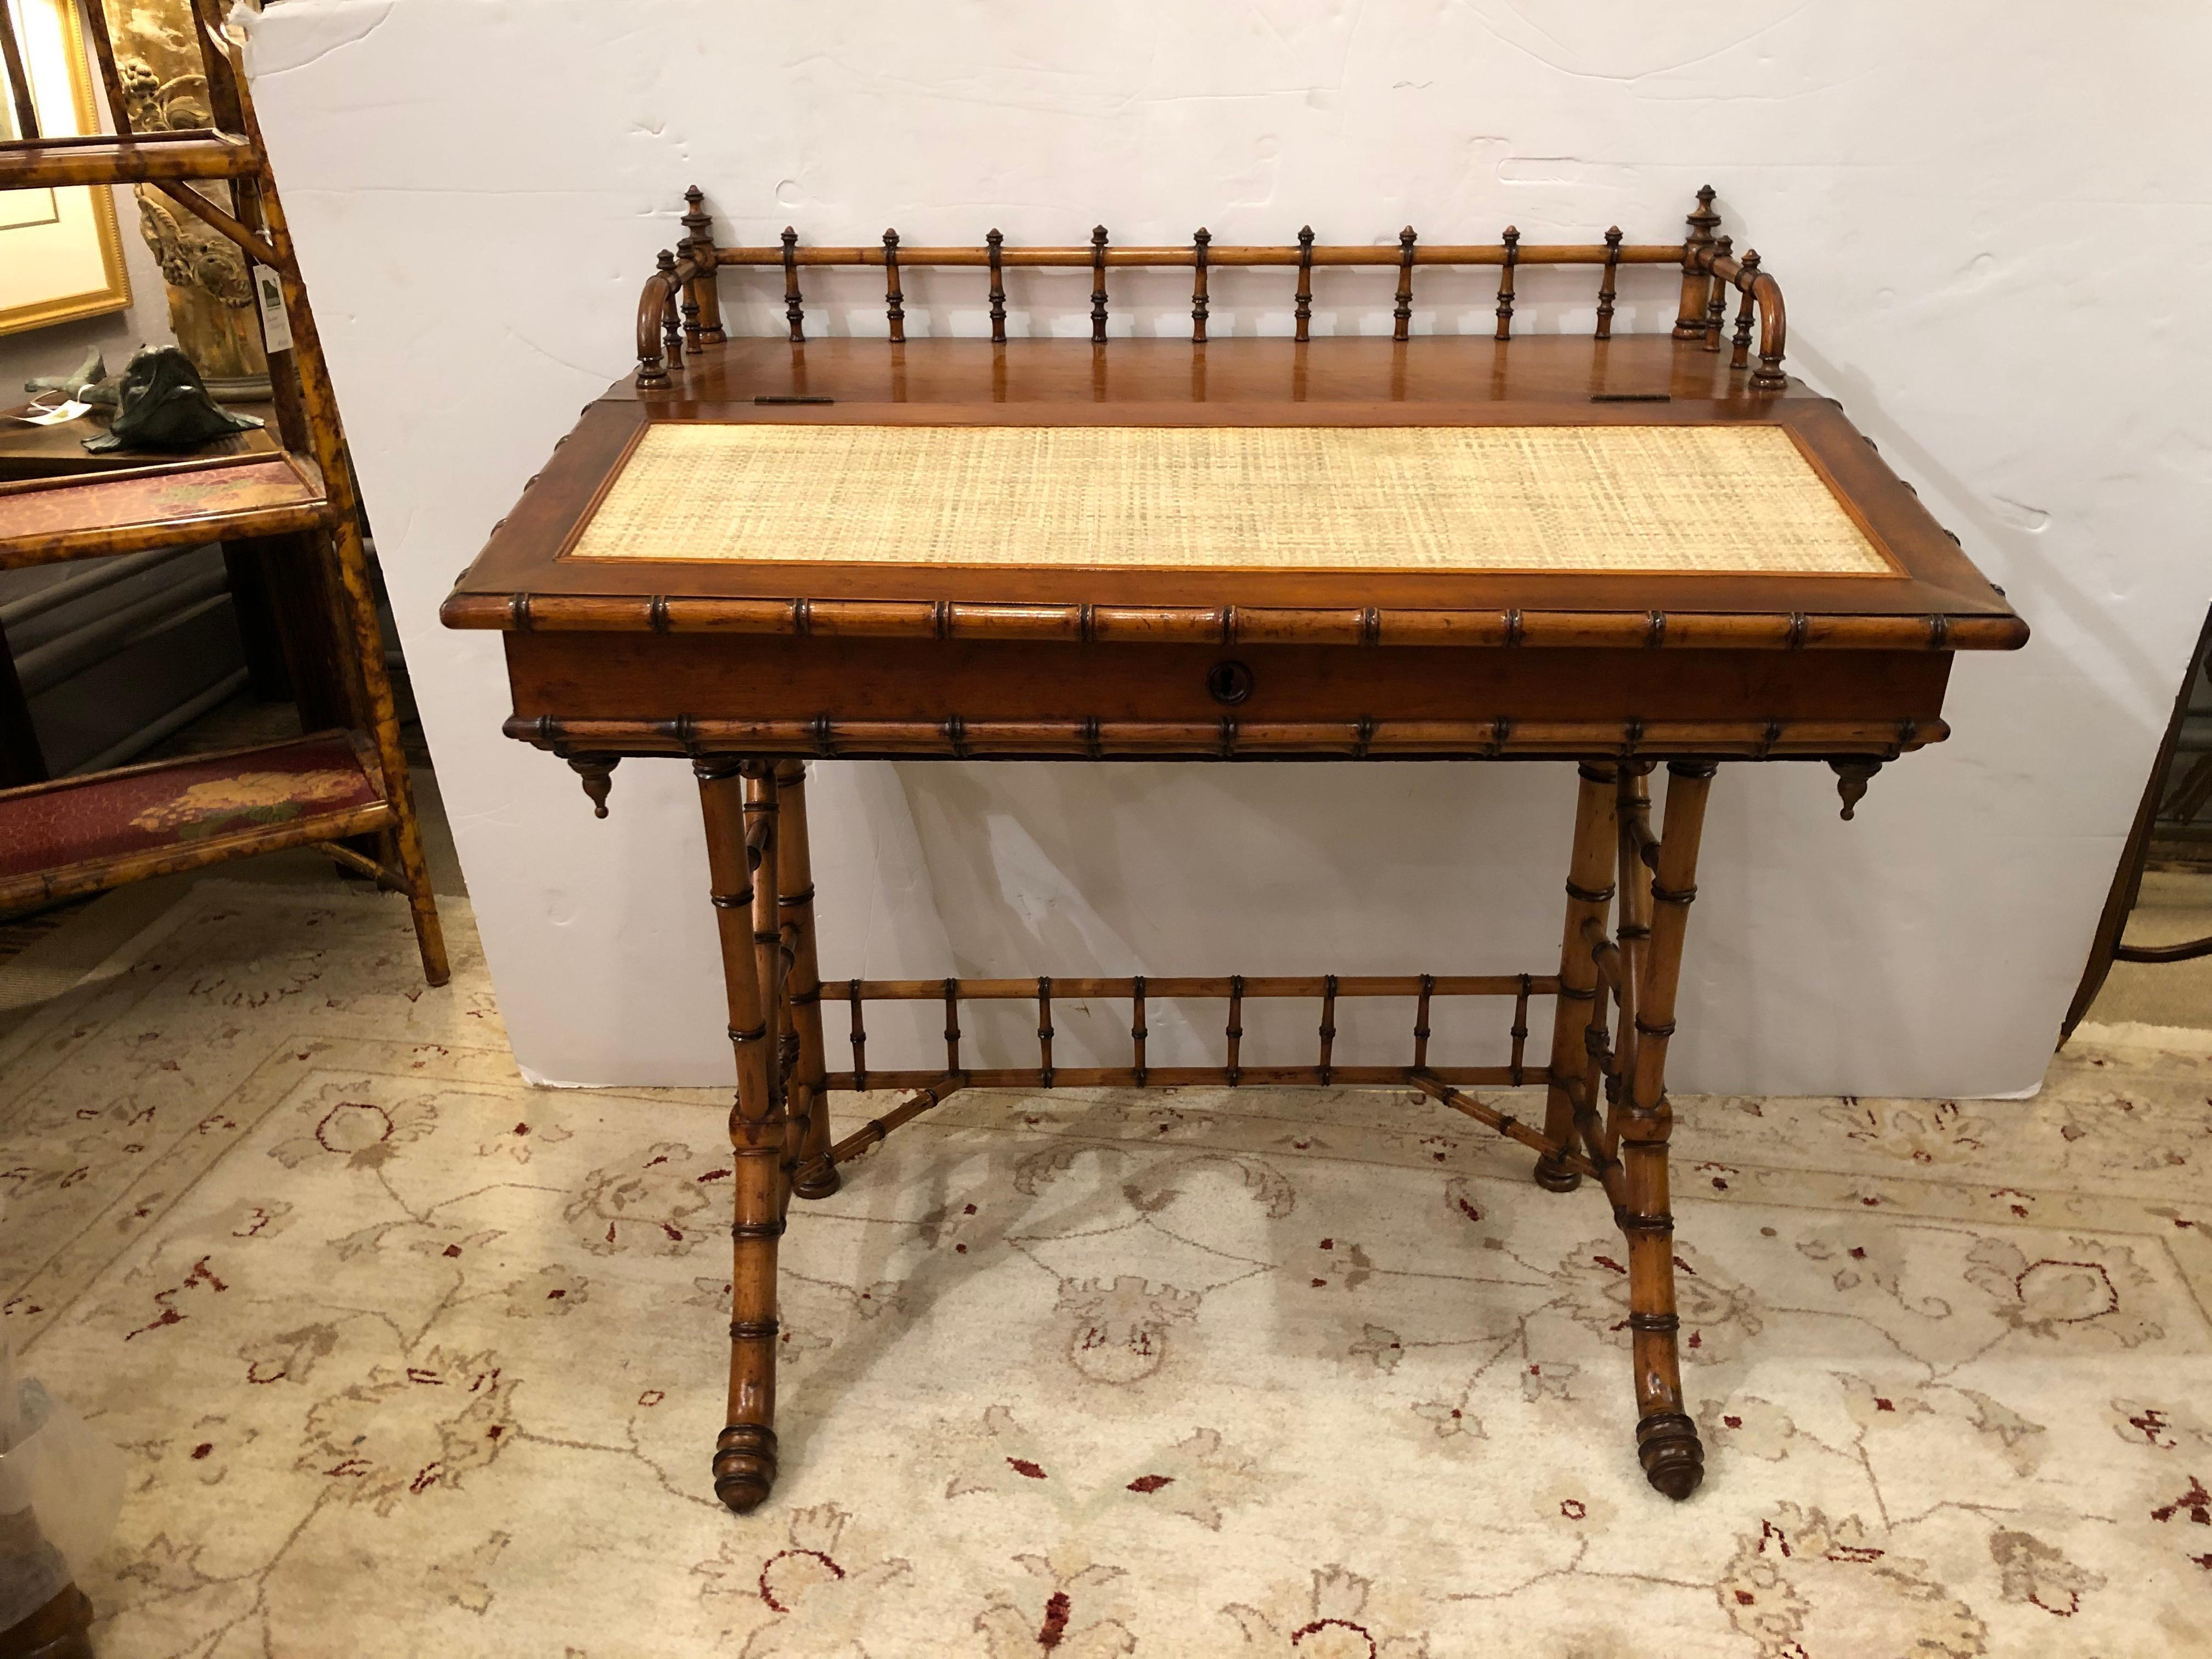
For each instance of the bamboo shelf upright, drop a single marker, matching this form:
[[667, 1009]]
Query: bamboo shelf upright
[[84, 833]]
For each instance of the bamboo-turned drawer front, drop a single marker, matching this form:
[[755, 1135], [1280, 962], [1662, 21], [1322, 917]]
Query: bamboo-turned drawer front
[[664, 677]]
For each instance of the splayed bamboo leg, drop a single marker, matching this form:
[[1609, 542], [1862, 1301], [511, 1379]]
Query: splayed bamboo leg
[[814, 1175], [1666, 1439], [1590, 895], [745, 1455]]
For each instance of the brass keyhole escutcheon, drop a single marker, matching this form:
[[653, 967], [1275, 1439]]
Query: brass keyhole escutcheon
[[1229, 684]]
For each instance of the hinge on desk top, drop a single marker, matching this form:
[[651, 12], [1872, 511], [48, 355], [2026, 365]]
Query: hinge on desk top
[[790, 397], [1631, 397]]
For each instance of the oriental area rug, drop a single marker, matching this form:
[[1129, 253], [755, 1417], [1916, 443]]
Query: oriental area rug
[[407, 1358]]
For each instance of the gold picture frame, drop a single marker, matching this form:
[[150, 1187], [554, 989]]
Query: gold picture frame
[[61, 252]]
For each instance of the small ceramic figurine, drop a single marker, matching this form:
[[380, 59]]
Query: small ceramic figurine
[[85, 384], [164, 405]]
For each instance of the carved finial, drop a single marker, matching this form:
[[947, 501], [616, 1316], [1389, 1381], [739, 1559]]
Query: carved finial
[[1606, 292], [597, 772], [1852, 778], [1690, 320], [793, 313]]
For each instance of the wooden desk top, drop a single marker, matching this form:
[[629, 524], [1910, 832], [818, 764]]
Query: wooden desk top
[[1447, 489]]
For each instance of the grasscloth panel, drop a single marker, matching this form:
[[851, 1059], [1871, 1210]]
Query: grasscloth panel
[[1716, 499]]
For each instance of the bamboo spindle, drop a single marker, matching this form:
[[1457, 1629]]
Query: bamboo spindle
[[1029, 1079], [1303, 306], [1519, 1032], [1328, 1026], [952, 1065], [1198, 302], [310, 421], [793, 313], [997, 245], [1589, 897], [671, 326], [745, 1455], [1690, 320], [1739, 354], [894, 300], [94, 16], [1421, 1023], [1511, 1127], [1044, 1030], [795, 902], [859, 1036], [1137, 1029], [1716, 301], [877, 1130], [1098, 285], [1667, 1440], [1217, 986], [686, 253], [1632, 933], [1235, 1032], [706, 290], [1608, 284], [1600, 1077], [763, 839], [19, 78], [1402, 314], [1512, 239]]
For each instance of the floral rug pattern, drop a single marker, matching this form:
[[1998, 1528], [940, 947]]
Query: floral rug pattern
[[408, 1357]]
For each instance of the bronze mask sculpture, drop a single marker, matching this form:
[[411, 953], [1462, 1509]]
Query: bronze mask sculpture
[[163, 405]]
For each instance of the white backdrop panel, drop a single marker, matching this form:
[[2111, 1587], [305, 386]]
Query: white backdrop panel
[[1991, 225]]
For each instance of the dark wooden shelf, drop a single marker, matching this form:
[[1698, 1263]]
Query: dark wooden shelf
[[104, 159], [77, 836], [158, 505]]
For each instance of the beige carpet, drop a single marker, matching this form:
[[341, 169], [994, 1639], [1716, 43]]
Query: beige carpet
[[410, 1359]]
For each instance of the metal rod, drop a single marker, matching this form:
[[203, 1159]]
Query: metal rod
[[170, 723], [100, 575]]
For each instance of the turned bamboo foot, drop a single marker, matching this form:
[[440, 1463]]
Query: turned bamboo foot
[[1554, 1177], [744, 1466], [816, 1180], [1674, 1459]]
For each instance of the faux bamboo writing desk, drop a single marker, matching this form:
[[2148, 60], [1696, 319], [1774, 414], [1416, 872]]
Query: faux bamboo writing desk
[[1622, 551]]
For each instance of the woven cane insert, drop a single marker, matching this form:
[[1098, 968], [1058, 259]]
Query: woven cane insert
[[1717, 498]]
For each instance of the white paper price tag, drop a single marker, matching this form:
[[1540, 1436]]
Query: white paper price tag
[[276, 325]]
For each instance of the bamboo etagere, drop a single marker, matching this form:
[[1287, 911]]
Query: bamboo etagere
[[81, 834]]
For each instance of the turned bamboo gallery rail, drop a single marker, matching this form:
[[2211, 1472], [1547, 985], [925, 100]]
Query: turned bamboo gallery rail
[[681, 305]]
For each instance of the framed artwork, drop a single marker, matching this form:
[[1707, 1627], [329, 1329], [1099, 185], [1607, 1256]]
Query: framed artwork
[[61, 255]]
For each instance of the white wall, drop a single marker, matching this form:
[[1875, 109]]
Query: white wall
[[1990, 222]]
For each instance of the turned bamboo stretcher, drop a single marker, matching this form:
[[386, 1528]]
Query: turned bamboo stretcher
[[1627, 551]]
